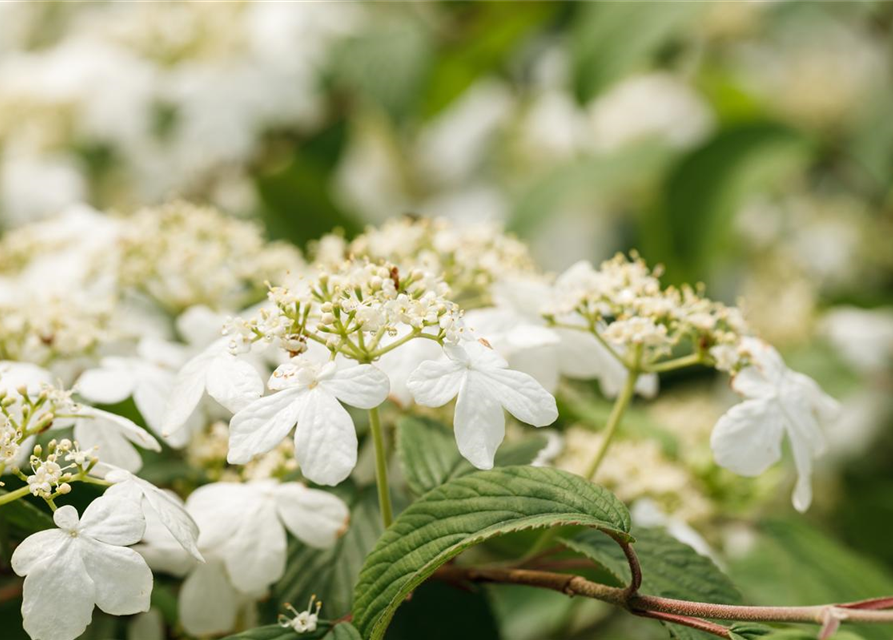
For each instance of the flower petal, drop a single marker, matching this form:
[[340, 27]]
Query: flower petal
[[233, 383], [36, 548], [255, 554], [436, 382], [479, 423], [106, 385], [153, 388], [66, 518], [520, 394], [363, 386], [122, 579], [127, 428], [263, 424], [314, 517], [218, 509], [751, 383], [747, 438], [58, 597], [325, 440], [208, 602], [113, 520], [189, 387], [111, 446]]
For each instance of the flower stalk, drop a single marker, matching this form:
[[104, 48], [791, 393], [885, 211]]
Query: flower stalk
[[381, 468]]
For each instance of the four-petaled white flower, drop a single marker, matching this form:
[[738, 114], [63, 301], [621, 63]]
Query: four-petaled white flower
[[85, 562], [747, 438], [308, 394], [244, 542], [112, 435], [484, 385]]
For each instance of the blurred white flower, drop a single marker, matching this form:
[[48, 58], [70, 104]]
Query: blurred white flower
[[747, 439], [308, 394], [864, 337], [485, 385], [112, 435], [85, 562], [649, 106]]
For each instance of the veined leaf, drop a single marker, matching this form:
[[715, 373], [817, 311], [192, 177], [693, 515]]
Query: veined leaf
[[430, 457], [341, 631], [467, 511], [670, 569], [331, 573]]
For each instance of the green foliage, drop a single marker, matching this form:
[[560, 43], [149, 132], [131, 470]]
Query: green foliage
[[433, 607], [808, 567], [340, 631], [706, 189], [428, 452], [670, 569], [330, 574], [24, 518], [467, 511], [611, 39]]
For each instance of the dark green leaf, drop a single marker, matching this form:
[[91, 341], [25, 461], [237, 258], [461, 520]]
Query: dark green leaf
[[467, 511], [330, 574], [429, 455], [24, 518], [433, 607], [670, 569]]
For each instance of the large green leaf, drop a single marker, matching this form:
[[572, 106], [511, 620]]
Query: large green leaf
[[341, 631], [793, 563], [427, 450], [670, 569], [330, 574], [467, 511], [708, 187], [610, 39]]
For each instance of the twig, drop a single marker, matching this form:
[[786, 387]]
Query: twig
[[695, 623]]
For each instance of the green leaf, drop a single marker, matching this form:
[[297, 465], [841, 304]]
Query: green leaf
[[331, 573], [670, 569], [428, 452], [611, 39], [341, 631], [24, 518], [432, 608], [706, 189], [467, 511], [793, 563]]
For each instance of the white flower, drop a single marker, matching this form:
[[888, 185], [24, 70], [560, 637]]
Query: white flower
[[308, 394], [747, 438], [231, 381], [243, 541], [149, 378], [113, 436], [166, 507], [303, 621], [402, 361], [81, 564], [484, 385]]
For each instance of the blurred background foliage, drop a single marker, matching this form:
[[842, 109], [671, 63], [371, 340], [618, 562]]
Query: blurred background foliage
[[745, 145]]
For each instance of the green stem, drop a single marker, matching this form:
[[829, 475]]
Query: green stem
[[620, 405], [14, 495], [381, 468], [678, 363]]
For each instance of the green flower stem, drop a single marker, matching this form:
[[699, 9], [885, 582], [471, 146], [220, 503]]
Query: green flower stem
[[620, 405], [678, 363], [14, 495], [381, 468]]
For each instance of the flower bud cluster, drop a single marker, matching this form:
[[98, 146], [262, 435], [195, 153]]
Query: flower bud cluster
[[350, 308], [48, 477], [182, 255], [623, 302], [470, 257]]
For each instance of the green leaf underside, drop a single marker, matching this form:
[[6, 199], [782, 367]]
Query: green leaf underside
[[341, 631], [670, 569], [428, 452], [467, 511], [331, 573]]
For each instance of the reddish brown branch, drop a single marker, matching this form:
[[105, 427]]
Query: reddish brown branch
[[695, 623]]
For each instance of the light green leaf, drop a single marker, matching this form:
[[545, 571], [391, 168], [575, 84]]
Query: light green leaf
[[467, 511], [341, 631], [428, 452], [670, 569], [611, 39], [331, 573]]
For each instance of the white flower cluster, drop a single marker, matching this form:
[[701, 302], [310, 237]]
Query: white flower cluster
[[623, 302], [470, 258], [182, 255]]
